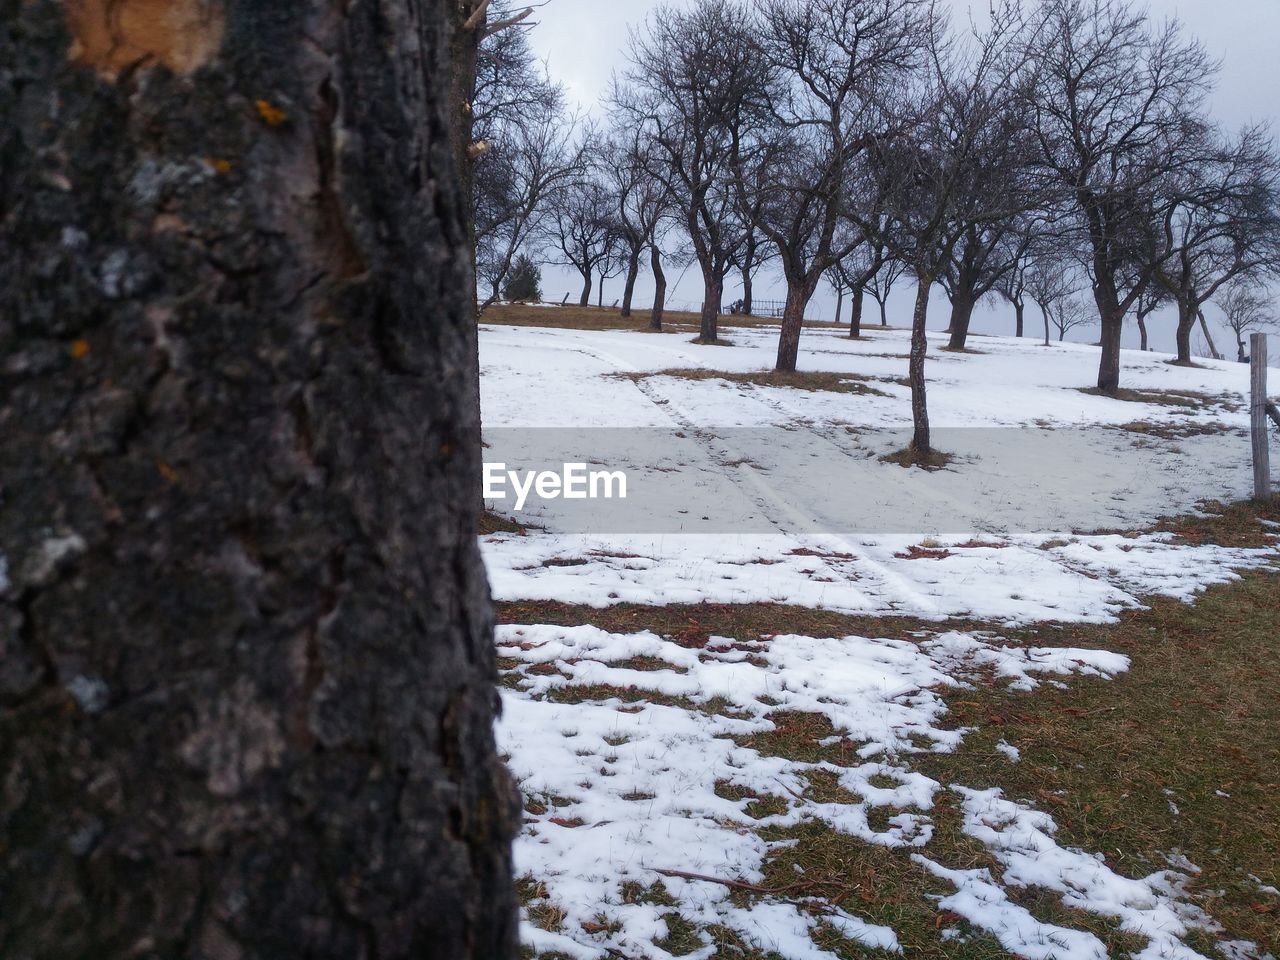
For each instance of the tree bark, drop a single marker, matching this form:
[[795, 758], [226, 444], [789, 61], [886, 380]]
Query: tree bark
[[585, 299], [961, 315], [855, 312], [660, 288], [792, 324], [1142, 330], [920, 440], [1020, 310], [633, 273], [1208, 337], [247, 680], [884, 315], [1186, 326], [839, 303], [1111, 317], [747, 293], [713, 292]]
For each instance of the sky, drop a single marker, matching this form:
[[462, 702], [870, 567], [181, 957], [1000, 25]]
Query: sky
[[584, 43]]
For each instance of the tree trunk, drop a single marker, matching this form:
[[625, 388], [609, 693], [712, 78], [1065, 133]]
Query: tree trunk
[[600, 300], [1186, 326], [713, 291], [1044, 312], [660, 288], [920, 440], [792, 324], [585, 299], [464, 53], [1208, 337], [961, 315], [247, 679], [747, 285], [884, 315], [839, 303], [633, 272], [855, 312], [1020, 310], [1109, 365], [1142, 330]]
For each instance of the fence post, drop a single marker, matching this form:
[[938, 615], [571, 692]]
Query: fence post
[[1258, 418]]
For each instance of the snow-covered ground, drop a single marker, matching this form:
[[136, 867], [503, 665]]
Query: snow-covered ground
[[1011, 532]]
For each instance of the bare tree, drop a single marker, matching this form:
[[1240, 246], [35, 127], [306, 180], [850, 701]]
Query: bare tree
[[1069, 313], [836, 70], [518, 183], [1223, 224], [1247, 307], [690, 71], [986, 255], [1051, 281], [954, 166], [1119, 99], [248, 681], [524, 144], [855, 272], [643, 206], [1153, 297], [585, 229], [1012, 287], [881, 285]]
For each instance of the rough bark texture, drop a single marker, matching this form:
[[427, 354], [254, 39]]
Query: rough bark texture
[[659, 287], [1020, 310], [792, 325], [920, 439], [246, 671], [713, 293], [855, 312], [961, 315], [633, 273]]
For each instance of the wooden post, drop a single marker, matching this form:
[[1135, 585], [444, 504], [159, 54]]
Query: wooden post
[[1258, 421]]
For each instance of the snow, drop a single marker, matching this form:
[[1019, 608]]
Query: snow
[[747, 494], [744, 493], [630, 789]]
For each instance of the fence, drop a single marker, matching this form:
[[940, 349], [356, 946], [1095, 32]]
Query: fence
[[1260, 410]]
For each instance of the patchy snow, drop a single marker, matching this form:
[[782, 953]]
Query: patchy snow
[[1010, 751], [761, 494], [752, 493], [628, 789]]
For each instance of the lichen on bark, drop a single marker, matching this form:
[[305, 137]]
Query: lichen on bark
[[246, 677]]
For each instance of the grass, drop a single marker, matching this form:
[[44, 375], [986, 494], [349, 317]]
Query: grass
[[911, 457], [1186, 399], [1181, 753], [1174, 431], [574, 317], [806, 380], [490, 523]]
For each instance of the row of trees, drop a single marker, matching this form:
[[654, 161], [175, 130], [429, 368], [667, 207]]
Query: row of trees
[[1063, 146]]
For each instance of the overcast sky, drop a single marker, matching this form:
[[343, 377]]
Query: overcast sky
[[584, 42]]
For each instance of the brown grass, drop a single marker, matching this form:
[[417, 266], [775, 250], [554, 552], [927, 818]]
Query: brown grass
[[1179, 753], [1189, 399], [911, 457], [806, 380], [574, 317]]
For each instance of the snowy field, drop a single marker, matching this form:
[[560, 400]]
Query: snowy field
[[1043, 515]]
